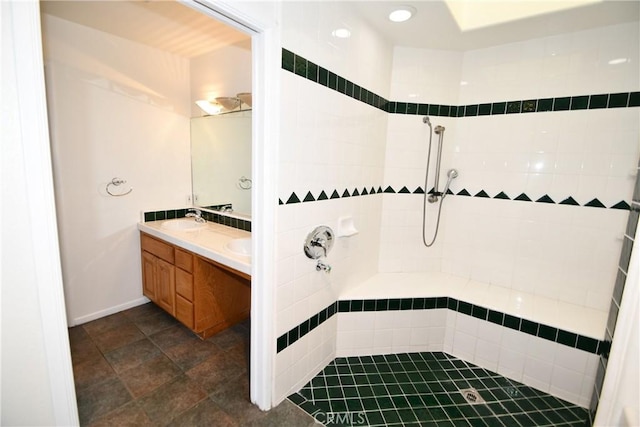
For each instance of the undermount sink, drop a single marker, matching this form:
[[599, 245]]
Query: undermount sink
[[184, 224], [239, 246]]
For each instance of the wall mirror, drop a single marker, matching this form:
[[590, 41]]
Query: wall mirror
[[221, 163]]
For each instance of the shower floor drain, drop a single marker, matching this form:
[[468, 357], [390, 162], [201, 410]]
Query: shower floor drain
[[472, 396]]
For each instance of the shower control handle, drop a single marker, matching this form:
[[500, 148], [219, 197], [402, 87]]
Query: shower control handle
[[319, 242]]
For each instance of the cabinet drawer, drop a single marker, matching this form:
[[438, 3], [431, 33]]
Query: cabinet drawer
[[184, 260], [156, 247], [184, 284], [184, 311]]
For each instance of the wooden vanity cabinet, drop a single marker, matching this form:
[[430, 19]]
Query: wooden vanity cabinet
[[205, 296]]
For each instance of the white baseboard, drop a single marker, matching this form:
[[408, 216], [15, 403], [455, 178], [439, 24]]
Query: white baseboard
[[108, 311]]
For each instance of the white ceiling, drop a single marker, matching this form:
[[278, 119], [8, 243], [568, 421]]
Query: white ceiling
[[434, 26], [166, 25], [173, 27]]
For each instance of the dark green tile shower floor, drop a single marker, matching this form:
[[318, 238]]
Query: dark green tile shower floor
[[424, 389]]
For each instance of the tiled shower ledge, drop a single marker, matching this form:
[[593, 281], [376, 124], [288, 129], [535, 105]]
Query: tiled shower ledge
[[569, 317]]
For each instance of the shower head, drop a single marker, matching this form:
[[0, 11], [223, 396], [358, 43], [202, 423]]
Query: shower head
[[426, 120], [439, 129], [451, 175]]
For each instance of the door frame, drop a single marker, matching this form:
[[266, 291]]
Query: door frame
[[32, 132], [262, 25]]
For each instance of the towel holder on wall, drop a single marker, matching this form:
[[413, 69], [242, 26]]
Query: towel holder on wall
[[116, 182], [245, 183]]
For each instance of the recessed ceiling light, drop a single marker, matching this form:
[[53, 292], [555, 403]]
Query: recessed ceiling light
[[341, 33], [402, 13]]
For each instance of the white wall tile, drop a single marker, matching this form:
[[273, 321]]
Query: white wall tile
[[464, 345], [538, 371], [436, 337], [571, 358], [486, 352], [401, 339], [383, 338], [419, 336], [557, 153], [566, 384]]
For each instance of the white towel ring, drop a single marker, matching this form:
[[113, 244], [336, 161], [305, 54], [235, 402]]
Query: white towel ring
[[245, 183]]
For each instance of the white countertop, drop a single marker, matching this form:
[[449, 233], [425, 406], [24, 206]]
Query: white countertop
[[208, 242]]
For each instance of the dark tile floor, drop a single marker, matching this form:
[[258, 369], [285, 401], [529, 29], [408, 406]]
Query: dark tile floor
[[424, 389], [140, 367]]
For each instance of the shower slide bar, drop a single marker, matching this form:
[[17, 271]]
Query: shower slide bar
[[435, 196]]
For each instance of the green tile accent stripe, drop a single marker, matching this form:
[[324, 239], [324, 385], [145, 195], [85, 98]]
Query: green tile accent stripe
[[593, 203], [293, 335], [424, 389], [240, 224], [304, 68], [550, 333]]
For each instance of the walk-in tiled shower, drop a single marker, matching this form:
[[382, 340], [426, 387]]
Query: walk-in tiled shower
[[543, 132]]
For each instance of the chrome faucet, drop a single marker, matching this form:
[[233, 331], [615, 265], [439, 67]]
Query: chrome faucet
[[197, 214]]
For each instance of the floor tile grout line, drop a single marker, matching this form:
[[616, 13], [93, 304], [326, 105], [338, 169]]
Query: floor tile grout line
[[472, 373], [135, 399], [388, 392], [102, 354]]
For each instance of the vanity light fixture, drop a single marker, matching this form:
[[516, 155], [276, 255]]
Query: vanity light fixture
[[402, 13], [228, 102], [210, 108], [246, 98], [225, 104]]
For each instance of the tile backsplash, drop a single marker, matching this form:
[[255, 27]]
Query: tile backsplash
[[229, 221]]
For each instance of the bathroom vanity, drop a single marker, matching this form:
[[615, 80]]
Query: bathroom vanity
[[197, 275]]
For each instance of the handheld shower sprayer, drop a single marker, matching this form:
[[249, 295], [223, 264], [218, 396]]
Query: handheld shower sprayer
[[451, 175]]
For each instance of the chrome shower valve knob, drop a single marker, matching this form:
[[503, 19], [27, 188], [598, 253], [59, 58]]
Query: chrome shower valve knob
[[319, 242], [324, 267]]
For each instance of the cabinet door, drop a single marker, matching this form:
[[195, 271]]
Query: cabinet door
[[149, 275], [166, 286]]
